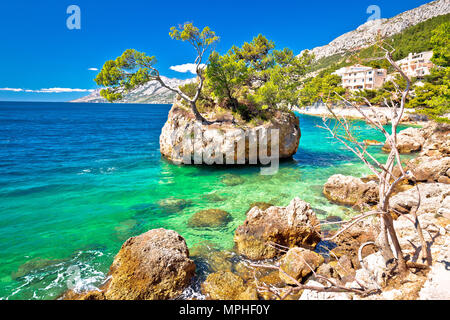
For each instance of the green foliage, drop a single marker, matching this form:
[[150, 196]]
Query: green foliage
[[188, 32], [416, 38], [131, 69], [134, 68], [256, 53], [190, 89], [441, 45], [413, 39], [433, 98], [255, 79], [225, 75], [324, 87], [284, 80]]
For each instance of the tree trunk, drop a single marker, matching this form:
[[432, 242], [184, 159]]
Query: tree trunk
[[197, 114], [393, 235]]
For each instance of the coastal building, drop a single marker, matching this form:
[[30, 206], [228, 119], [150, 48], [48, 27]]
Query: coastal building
[[417, 65], [359, 77]]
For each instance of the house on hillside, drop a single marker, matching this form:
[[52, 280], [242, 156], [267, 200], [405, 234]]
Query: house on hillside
[[359, 77], [417, 65]]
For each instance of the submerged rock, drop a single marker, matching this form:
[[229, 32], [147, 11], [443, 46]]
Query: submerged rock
[[289, 226], [320, 212], [221, 137], [298, 263], [348, 190], [173, 205], [224, 285], [124, 228], [214, 197], [34, 265], [210, 258], [333, 219], [372, 143], [212, 218], [153, 265], [260, 205], [232, 180]]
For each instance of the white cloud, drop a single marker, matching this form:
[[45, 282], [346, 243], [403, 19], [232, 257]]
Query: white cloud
[[187, 67], [47, 90], [59, 90], [93, 69], [11, 89]]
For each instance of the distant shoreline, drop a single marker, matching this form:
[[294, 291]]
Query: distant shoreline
[[351, 113]]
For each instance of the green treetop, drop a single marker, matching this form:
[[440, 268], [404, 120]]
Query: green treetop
[[134, 68], [432, 98]]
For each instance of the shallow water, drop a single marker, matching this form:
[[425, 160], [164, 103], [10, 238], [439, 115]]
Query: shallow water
[[77, 180]]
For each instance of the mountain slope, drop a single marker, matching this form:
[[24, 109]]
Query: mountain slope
[[152, 92], [366, 34]]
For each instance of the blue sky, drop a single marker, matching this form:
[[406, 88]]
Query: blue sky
[[38, 53]]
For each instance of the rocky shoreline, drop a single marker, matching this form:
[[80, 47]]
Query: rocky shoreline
[[184, 140], [279, 247]]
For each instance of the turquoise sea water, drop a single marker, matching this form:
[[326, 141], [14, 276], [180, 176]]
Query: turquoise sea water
[[77, 180]]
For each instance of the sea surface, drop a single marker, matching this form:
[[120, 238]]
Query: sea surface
[[77, 180]]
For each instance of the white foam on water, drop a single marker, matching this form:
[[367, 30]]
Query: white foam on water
[[78, 274]]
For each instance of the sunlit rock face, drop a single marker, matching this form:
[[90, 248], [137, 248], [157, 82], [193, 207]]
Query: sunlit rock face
[[185, 140], [291, 226], [152, 266]]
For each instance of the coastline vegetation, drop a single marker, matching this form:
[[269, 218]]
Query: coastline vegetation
[[255, 80], [251, 82], [430, 96]]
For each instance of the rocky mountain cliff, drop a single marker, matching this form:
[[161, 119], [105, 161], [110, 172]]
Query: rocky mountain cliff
[[151, 92], [366, 34]]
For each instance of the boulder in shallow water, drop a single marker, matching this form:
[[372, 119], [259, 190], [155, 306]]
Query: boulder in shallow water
[[298, 263], [210, 218], [225, 285], [222, 138], [152, 266], [90, 295], [289, 226]]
